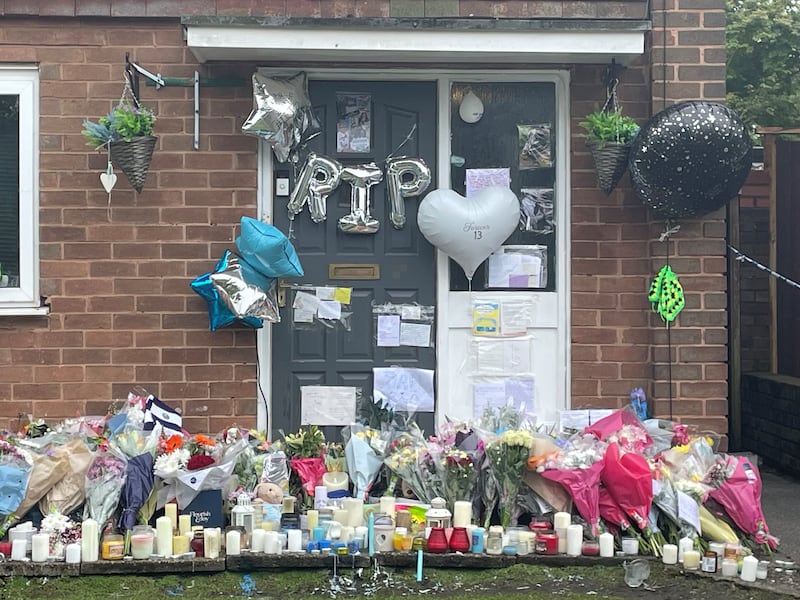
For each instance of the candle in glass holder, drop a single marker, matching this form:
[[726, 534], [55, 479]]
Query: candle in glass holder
[[691, 560], [141, 542], [462, 513], [211, 542], [669, 554]]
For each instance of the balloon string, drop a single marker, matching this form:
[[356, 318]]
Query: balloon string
[[109, 171], [668, 231], [403, 143]]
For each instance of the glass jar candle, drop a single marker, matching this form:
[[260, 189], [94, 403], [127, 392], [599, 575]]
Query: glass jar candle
[[142, 538], [112, 547], [494, 541], [198, 544], [546, 542]]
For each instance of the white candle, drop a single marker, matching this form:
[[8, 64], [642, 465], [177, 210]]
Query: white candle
[[691, 560], [669, 554], [142, 544], [462, 513], [312, 519], [630, 546], [574, 540], [271, 542], [562, 540], [184, 524], [561, 520], [40, 547], [90, 541], [233, 541], [729, 567], [211, 542], [606, 545], [164, 536], [340, 515], [387, 504], [335, 481], [355, 511], [257, 539], [294, 540], [171, 511], [749, 568], [72, 554], [19, 549], [347, 534], [684, 544]]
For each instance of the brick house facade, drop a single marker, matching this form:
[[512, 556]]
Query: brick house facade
[[121, 312]]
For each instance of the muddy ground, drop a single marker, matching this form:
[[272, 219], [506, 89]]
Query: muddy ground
[[521, 581]]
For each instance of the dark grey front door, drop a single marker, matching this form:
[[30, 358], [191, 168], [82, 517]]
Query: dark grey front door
[[332, 355]]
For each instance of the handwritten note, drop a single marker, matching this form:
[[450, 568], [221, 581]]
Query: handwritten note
[[404, 389], [327, 405], [689, 510], [415, 334], [388, 330]]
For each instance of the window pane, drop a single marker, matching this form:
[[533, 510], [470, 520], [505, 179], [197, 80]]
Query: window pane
[[514, 140], [9, 191]]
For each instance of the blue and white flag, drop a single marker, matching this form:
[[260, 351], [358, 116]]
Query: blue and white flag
[[157, 411]]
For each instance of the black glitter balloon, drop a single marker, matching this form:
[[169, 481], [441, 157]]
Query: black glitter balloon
[[690, 159]]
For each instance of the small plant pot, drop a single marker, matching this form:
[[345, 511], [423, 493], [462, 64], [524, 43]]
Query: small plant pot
[[610, 161], [134, 158]]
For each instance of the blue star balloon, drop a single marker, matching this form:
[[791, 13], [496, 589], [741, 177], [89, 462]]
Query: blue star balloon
[[219, 315]]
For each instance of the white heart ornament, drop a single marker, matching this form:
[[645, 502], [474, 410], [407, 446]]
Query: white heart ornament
[[109, 180], [468, 230]]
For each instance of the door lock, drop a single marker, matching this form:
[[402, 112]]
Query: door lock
[[283, 285]]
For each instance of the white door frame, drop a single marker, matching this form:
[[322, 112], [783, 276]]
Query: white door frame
[[449, 303]]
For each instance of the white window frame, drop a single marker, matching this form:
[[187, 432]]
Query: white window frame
[[23, 81]]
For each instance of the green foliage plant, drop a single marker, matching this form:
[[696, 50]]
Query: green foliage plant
[[603, 127], [127, 121]]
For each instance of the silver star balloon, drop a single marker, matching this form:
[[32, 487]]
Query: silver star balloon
[[282, 114], [245, 299]]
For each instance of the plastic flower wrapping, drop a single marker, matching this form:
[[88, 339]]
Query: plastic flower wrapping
[[507, 457], [104, 481]]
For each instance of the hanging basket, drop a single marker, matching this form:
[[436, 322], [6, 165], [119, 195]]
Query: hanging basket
[[134, 158], [610, 161]]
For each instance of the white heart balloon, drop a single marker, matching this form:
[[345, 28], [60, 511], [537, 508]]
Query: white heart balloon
[[468, 230], [108, 180]]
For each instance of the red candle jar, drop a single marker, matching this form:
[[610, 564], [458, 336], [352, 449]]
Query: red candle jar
[[590, 548], [437, 541], [5, 548], [546, 542], [538, 526], [460, 540]]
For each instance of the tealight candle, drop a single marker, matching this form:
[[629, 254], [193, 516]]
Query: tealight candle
[[462, 513], [606, 545], [669, 554], [40, 547]]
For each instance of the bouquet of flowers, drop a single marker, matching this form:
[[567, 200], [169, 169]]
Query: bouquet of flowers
[[15, 469], [458, 474], [410, 459], [62, 531], [306, 450], [364, 449], [104, 481], [507, 457]]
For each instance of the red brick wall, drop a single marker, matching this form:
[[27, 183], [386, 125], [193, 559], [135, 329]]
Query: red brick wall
[[123, 313]]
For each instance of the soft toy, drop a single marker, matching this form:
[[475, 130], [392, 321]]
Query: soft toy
[[269, 493]]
